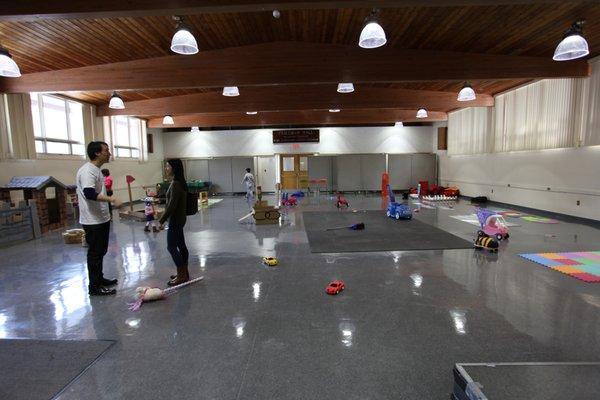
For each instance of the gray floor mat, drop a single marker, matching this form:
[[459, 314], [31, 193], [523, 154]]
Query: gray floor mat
[[40, 369], [381, 233]]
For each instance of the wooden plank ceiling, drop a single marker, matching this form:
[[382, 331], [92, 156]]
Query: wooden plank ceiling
[[45, 38]]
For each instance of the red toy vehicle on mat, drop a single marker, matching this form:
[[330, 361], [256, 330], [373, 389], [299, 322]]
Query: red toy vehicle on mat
[[341, 201], [335, 287]]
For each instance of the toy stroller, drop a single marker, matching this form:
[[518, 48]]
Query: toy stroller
[[341, 201], [491, 224]]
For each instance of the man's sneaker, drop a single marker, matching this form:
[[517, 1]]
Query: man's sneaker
[[101, 291], [146, 228]]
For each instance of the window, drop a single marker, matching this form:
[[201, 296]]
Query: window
[[126, 137], [57, 125]]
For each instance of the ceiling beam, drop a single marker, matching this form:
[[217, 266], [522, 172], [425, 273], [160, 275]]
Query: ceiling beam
[[292, 98], [285, 63], [32, 10], [347, 117]]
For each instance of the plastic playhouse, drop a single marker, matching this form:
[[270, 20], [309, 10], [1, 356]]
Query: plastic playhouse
[[491, 224], [397, 210]]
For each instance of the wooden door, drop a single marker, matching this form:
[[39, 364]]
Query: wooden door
[[294, 171]]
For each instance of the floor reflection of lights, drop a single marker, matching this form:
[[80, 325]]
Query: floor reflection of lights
[[459, 318], [256, 290], [347, 333], [239, 323], [71, 303]]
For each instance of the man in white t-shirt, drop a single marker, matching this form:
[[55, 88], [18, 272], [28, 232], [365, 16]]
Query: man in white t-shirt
[[250, 185], [94, 216]]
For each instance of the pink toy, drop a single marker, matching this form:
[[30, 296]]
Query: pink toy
[[492, 224], [145, 294]]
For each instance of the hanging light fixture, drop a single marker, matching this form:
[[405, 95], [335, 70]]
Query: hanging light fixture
[[183, 41], [231, 91], [466, 93], [573, 44], [398, 124], [8, 66], [251, 112], [345, 87], [195, 129], [372, 34], [168, 120], [116, 102], [422, 113], [334, 110]]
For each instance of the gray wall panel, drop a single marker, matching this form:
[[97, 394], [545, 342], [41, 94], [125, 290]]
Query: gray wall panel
[[197, 169], [348, 172], [423, 168], [320, 167], [238, 169], [372, 166], [400, 171], [220, 174]]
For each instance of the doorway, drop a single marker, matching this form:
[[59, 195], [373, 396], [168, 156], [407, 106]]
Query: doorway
[[294, 171]]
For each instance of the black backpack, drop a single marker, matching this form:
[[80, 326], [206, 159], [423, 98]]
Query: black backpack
[[191, 203]]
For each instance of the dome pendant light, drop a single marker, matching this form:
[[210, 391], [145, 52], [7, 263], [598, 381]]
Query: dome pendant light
[[231, 91], [183, 41], [195, 129], [8, 66], [168, 120], [372, 34], [334, 110], [345, 87], [466, 93], [573, 45], [251, 112], [116, 102], [422, 113]]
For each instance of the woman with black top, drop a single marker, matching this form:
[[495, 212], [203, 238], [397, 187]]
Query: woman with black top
[[175, 213]]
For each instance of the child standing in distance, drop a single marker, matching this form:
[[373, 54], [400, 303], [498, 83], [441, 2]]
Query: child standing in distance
[[250, 186], [108, 182], [150, 212]]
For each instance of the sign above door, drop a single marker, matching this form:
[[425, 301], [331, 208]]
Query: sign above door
[[296, 136]]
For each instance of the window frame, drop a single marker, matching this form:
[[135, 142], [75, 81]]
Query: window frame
[[129, 148], [42, 124]]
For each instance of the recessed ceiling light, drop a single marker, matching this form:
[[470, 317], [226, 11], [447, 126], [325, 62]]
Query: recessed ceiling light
[[183, 41], [345, 87], [372, 34], [195, 129], [168, 120], [466, 93], [116, 102], [398, 124], [573, 44], [231, 91], [334, 110], [251, 112], [8, 66]]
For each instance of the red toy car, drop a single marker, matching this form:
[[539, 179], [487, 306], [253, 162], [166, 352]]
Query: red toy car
[[335, 287], [341, 201]]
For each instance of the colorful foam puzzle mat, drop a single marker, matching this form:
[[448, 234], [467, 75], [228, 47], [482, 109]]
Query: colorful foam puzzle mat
[[541, 220], [583, 265]]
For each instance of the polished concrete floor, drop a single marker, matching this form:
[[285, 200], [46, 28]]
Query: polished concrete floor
[[254, 332]]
